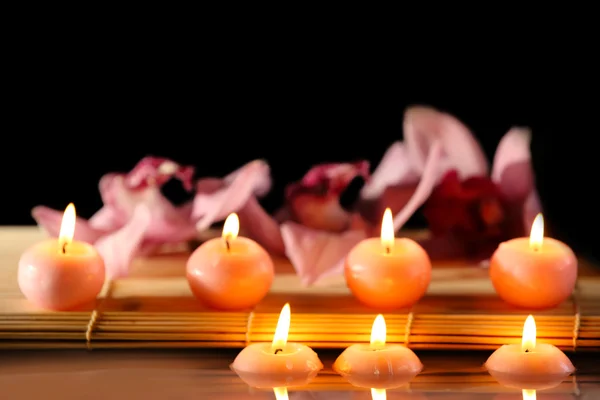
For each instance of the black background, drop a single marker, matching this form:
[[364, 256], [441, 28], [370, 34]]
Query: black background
[[74, 116]]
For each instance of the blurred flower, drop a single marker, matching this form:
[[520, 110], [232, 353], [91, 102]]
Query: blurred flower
[[238, 192], [470, 211], [136, 218], [315, 200], [473, 210]]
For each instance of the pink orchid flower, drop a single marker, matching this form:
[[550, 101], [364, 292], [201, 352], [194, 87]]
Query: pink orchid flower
[[434, 144], [216, 198], [135, 218], [313, 210], [319, 229], [438, 147]]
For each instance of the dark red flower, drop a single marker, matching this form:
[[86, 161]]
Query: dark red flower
[[472, 210]]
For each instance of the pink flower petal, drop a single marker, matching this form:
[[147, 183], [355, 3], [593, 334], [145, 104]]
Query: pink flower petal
[[168, 223], [250, 180], [209, 185], [156, 171], [105, 187], [393, 170], [50, 220], [118, 197], [261, 175], [121, 193], [333, 177], [512, 169], [423, 126], [319, 212], [261, 227], [513, 172], [531, 208], [391, 185], [317, 254], [119, 248], [432, 173], [315, 200], [106, 219]]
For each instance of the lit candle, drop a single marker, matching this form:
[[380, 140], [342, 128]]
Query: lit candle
[[388, 273], [378, 364], [529, 394], [279, 363], [231, 272], [534, 272], [378, 394], [61, 273], [528, 362], [281, 393]]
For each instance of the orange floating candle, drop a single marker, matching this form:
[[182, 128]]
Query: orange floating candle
[[61, 274], [231, 272], [534, 272], [378, 364], [387, 273], [279, 363], [529, 362]]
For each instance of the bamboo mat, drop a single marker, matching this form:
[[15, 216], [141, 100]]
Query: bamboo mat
[[154, 308]]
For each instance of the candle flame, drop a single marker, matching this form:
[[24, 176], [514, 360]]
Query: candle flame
[[378, 394], [283, 329], [281, 393], [231, 228], [529, 334], [67, 227], [387, 230], [529, 394], [536, 237], [378, 333]]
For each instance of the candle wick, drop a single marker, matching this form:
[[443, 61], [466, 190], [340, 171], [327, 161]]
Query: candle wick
[[387, 249], [526, 350], [64, 248], [278, 351], [227, 244]]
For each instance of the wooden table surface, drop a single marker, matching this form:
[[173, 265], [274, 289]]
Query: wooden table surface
[[197, 374]]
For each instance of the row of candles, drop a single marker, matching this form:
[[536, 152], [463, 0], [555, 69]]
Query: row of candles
[[235, 273], [380, 366]]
